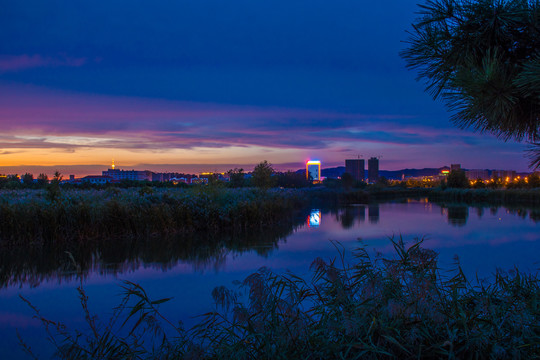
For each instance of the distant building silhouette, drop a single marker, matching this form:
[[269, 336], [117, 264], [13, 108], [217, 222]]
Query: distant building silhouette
[[119, 175], [455, 167], [96, 179], [475, 174], [373, 170], [504, 174], [355, 167]]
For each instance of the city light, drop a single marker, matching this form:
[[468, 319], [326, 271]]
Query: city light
[[314, 218], [313, 168]]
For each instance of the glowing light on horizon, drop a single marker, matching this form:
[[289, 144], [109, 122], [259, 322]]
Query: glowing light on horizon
[[315, 174]]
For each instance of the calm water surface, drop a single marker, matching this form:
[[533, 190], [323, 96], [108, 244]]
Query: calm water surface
[[483, 238]]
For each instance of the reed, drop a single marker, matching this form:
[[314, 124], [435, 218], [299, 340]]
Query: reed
[[31, 216], [374, 308]]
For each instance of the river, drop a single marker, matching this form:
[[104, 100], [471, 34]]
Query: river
[[482, 238]]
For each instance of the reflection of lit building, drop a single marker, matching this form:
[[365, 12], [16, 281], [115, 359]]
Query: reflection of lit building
[[355, 167], [313, 170], [373, 213], [314, 218], [373, 170]]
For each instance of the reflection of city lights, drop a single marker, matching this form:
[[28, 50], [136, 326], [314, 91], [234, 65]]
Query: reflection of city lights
[[314, 219]]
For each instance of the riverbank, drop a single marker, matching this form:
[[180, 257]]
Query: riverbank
[[80, 215], [526, 197], [32, 217]]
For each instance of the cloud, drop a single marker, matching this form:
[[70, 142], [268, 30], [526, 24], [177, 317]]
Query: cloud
[[23, 62], [33, 117]]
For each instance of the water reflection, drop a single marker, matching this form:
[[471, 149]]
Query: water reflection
[[373, 213], [32, 266], [457, 215], [28, 265], [314, 218], [348, 215]]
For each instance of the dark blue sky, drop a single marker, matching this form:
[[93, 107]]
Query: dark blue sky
[[214, 82]]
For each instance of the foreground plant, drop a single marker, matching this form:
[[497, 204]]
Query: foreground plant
[[400, 307]]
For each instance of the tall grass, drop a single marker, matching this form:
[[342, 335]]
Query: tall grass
[[30, 216], [402, 307]]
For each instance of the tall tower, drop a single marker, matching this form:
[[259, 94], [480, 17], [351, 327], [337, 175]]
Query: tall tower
[[373, 170], [355, 167], [112, 165]]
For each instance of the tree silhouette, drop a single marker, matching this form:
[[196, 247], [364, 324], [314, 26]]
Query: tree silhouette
[[482, 58], [262, 175], [28, 179], [236, 177], [457, 179]]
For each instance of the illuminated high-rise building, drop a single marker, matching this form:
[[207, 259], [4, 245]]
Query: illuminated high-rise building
[[355, 167], [313, 170], [373, 170]]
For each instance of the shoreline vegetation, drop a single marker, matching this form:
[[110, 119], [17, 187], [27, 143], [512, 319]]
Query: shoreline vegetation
[[403, 307], [116, 228], [82, 215]]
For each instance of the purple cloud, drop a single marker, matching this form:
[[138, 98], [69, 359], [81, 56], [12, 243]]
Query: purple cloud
[[22, 62], [45, 117], [35, 118]]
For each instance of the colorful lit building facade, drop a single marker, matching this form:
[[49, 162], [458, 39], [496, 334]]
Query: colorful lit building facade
[[313, 170]]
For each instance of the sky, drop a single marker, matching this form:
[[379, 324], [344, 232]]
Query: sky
[[189, 86]]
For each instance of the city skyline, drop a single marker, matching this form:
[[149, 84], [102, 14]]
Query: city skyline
[[184, 86]]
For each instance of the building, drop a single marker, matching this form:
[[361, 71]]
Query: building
[[506, 175], [355, 167], [455, 167], [203, 180], [119, 175], [96, 179], [313, 170], [373, 170], [475, 174]]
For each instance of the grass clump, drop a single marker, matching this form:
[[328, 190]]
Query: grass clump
[[375, 308]]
